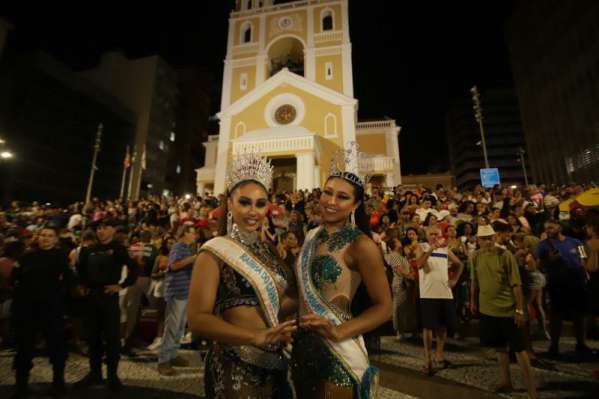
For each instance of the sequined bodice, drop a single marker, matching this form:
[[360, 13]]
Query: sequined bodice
[[235, 290], [331, 276]]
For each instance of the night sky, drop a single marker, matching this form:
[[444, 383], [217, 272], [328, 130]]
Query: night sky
[[409, 60]]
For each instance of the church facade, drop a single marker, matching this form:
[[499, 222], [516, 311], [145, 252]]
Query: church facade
[[288, 94]]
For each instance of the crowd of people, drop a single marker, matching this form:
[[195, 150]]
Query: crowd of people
[[505, 256]]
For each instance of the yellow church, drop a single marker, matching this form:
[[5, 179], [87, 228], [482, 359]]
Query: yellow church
[[288, 94]]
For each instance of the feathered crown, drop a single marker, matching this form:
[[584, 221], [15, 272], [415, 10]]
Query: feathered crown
[[345, 164], [249, 166]]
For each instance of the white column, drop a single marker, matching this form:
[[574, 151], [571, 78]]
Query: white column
[[348, 128], [262, 33], [348, 78], [309, 54], [260, 68], [389, 180], [221, 155], [345, 17], [262, 56], [396, 130], [316, 176], [228, 72], [310, 64], [225, 98], [310, 27], [200, 188], [305, 171]]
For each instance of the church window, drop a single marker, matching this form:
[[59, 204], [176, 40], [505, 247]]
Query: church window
[[246, 33], [327, 20], [330, 125], [239, 129], [328, 71], [243, 81]]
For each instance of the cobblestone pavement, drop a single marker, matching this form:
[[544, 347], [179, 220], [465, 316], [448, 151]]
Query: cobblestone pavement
[[476, 367], [138, 374]]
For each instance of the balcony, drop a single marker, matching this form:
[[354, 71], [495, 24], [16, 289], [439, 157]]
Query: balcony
[[246, 48], [376, 164], [284, 139], [384, 124], [329, 36], [280, 7], [205, 174]]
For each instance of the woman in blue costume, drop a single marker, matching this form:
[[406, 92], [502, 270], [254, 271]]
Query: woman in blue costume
[[329, 358], [239, 291]]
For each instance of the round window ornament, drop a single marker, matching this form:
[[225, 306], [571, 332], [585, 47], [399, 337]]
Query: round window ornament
[[285, 114], [285, 22]]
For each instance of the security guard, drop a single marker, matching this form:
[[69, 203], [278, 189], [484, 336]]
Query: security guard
[[100, 267], [42, 280]]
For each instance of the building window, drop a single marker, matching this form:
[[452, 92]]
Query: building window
[[178, 169], [326, 18], [239, 129], [328, 71], [172, 138], [161, 145], [243, 81], [330, 125], [246, 33]]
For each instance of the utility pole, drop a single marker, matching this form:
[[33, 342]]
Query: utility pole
[[478, 115], [90, 183]]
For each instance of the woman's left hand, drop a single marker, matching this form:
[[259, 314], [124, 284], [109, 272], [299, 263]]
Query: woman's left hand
[[322, 326]]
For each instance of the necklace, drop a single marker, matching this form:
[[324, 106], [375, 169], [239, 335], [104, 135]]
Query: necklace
[[261, 250], [338, 239], [247, 239]]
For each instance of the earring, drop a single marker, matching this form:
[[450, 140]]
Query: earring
[[352, 218], [229, 222]]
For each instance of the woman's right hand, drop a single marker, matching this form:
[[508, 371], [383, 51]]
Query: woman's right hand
[[279, 334]]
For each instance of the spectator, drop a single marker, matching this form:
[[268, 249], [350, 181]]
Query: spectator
[[176, 292], [436, 298], [496, 286], [560, 258]]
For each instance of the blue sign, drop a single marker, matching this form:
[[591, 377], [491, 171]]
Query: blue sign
[[489, 177]]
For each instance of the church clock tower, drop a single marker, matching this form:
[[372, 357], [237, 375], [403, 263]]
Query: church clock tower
[[288, 94]]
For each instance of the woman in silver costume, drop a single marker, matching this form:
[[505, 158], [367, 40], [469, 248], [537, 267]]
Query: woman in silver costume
[[240, 290]]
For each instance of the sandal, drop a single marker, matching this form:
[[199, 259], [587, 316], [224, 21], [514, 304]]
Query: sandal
[[428, 370], [444, 364]]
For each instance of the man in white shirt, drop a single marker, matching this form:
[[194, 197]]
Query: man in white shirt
[[436, 298]]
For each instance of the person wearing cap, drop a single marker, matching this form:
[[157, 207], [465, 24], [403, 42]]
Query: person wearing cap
[[100, 268], [497, 288]]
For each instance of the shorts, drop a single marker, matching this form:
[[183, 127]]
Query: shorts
[[499, 332], [438, 313]]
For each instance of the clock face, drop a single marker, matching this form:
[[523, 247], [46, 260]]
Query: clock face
[[285, 114], [285, 22]]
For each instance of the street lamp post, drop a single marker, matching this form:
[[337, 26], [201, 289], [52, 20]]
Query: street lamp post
[[90, 183], [478, 115], [521, 152]]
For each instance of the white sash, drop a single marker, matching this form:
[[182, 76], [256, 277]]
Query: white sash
[[251, 268], [351, 352]]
